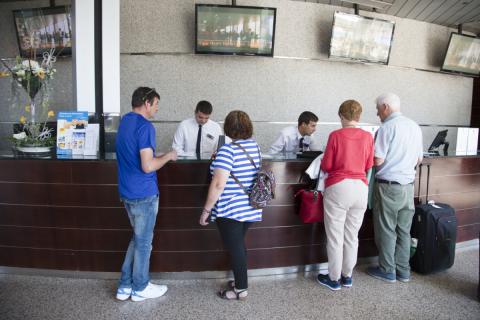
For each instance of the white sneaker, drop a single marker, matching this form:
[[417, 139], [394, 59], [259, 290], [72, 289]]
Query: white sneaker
[[151, 291], [124, 293]]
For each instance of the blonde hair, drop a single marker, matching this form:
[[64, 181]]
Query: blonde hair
[[350, 110]]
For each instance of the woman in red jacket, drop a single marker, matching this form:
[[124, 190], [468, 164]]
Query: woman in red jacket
[[348, 157]]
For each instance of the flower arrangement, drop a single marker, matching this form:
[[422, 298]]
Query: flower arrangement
[[33, 77]]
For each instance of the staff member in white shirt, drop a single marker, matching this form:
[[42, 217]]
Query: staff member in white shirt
[[297, 138], [199, 134]]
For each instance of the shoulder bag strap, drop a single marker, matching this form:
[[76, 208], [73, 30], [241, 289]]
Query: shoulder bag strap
[[246, 153], [239, 183], [318, 179], [251, 160], [233, 176]]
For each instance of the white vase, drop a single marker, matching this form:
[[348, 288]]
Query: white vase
[[33, 151]]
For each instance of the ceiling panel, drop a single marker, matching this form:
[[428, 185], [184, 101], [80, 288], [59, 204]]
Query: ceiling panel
[[407, 8], [396, 7], [418, 9], [446, 8], [459, 17], [457, 7], [429, 10], [470, 17]]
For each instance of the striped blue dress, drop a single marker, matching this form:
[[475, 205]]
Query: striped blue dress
[[233, 202]]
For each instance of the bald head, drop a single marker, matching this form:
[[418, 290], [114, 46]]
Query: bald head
[[387, 103]]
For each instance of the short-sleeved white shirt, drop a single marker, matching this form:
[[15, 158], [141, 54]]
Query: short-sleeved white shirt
[[289, 140], [185, 138], [399, 142]]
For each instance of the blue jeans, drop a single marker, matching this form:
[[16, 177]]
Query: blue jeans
[[135, 269]]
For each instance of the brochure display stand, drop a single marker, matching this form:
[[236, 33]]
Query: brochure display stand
[[71, 130]]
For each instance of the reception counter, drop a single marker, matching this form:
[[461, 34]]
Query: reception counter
[[66, 215]]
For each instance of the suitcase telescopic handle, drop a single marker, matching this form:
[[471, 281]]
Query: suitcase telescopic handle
[[419, 182], [420, 166]]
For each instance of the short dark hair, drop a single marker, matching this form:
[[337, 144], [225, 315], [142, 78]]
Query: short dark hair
[[143, 94], [204, 107], [238, 125], [306, 117]]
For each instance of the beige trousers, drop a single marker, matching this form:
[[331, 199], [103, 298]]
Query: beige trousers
[[344, 205]]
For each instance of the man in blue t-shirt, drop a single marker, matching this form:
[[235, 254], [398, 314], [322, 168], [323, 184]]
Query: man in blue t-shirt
[[138, 188]]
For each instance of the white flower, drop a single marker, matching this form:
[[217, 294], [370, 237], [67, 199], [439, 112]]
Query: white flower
[[30, 64], [20, 136], [21, 73]]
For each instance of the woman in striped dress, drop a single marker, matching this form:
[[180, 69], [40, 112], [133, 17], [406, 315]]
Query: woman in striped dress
[[227, 201]]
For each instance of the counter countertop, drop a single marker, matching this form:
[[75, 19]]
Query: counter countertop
[[109, 156]]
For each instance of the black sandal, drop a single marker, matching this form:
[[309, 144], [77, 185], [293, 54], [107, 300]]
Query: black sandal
[[224, 294], [231, 284]]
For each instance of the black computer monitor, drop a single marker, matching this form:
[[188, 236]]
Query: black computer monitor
[[438, 141], [221, 141]]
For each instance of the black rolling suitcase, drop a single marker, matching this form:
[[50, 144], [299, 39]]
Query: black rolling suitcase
[[434, 225]]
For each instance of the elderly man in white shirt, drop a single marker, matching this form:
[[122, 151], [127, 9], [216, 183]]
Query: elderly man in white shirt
[[297, 138], [197, 135], [398, 149]]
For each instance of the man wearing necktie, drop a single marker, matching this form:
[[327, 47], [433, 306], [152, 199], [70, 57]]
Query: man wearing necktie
[[297, 138], [197, 136], [302, 145], [199, 141]]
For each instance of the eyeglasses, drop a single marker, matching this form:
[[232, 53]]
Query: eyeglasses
[[144, 98]]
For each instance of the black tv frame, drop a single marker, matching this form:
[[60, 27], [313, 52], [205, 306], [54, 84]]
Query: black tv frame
[[235, 53], [445, 56], [361, 60], [38, 12]]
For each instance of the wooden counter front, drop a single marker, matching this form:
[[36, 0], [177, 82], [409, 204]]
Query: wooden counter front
[[66, 215]]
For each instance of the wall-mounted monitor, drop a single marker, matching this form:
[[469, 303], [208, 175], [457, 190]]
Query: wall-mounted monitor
[[361, 38], [234, 30], [43, 29], [463, 55]]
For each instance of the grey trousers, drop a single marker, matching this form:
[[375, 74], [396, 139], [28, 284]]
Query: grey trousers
[[393, 210]]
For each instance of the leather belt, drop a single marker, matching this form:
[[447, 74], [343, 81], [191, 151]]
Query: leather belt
[[386, 181]]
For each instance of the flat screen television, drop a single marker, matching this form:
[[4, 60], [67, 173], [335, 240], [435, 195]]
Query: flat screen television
[[361, 38], [234, 30], [463, 55], [43, 29]]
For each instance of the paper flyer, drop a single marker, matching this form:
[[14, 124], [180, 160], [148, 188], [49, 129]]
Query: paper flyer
[[71, 128]]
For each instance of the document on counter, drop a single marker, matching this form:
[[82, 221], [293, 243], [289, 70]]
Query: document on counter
[[92, 137], [467, 141]]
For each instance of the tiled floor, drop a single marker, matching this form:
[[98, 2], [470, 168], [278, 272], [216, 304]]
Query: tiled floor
[[447, 295]]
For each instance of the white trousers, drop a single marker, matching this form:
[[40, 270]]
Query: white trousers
[[344, 206]]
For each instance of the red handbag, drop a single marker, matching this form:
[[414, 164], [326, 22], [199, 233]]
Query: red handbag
[[310, 207]]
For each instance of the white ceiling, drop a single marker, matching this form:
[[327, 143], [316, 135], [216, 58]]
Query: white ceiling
[[448, 13]]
